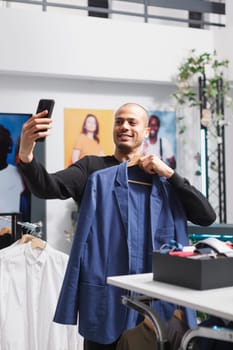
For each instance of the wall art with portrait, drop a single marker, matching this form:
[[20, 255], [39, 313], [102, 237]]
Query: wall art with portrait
[[87, 132], [15, 198], [162, 136]]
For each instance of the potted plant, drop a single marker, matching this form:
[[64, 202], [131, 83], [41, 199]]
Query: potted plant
[[202, 83], [212, 72]]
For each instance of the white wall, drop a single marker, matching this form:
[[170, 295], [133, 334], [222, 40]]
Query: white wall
[[88, 63], [73, 46]]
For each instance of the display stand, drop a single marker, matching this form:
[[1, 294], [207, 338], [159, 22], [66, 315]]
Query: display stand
[[213, 151], [217, 302]]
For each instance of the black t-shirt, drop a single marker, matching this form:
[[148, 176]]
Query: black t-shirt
[[70, 183], [66, 183]]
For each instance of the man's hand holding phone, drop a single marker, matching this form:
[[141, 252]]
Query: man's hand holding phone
[[43, 106], [36, 128]]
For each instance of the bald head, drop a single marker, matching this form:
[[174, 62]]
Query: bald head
[[136, 109], [129, 131]]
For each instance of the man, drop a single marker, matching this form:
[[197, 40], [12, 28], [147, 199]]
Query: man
[[129, 131], [160, 146]]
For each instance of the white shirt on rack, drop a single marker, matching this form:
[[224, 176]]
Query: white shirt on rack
[[30, 282]]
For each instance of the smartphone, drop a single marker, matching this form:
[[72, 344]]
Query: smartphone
[[43, 105]]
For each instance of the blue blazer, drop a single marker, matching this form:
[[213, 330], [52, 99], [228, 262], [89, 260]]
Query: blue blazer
[[104, 245]]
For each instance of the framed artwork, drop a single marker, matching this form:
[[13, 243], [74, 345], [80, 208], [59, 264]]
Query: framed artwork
[[15, 198], [87, 132], [162, 136]]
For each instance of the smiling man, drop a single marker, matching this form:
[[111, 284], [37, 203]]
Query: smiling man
[[129, 131]]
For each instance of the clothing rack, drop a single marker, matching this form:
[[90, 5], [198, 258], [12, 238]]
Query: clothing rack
[[34, 229], [28, 266], [14, 228]]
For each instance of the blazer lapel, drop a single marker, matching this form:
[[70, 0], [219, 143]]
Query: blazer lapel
[[121, 193], [155, 206]]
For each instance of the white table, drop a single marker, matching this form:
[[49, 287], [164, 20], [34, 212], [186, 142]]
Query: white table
[[217, 302]]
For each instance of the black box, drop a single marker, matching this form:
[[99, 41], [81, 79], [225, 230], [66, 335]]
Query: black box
[[191, 273]]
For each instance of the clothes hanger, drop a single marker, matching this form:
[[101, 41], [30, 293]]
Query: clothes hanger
[[140, 182], [38, 243], [35, 241], [132, 162], [148, 323]]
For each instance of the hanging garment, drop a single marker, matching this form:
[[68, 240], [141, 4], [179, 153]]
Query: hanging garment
[[138, 338], [176, 328], [30, 281], [143, 336], [119, 226]]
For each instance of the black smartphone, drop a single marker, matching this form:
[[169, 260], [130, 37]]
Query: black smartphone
[[43, 105]]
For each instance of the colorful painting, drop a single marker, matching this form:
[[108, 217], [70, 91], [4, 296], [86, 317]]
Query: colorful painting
[[14, 196], [87, 132], [162, 136]]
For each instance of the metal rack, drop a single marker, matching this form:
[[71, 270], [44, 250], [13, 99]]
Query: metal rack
[[214, 153], [193, 13], [139, 304], [188, 340], [17, 227]]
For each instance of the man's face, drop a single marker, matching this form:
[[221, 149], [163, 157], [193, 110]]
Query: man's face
[[129, 128]]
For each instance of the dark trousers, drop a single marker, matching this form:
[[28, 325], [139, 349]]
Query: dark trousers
[[90, 345]]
